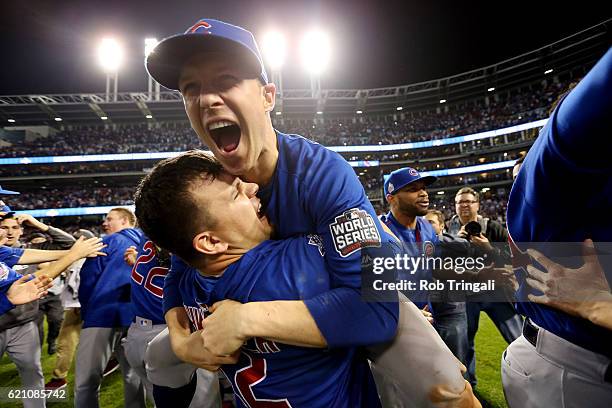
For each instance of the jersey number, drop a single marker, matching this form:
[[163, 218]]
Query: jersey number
[[251, 375], [148, 255]]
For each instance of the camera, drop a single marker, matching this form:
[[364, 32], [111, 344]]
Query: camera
[[472, 228]]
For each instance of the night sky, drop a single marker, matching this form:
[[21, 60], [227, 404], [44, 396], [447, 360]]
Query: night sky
[[49, 46]]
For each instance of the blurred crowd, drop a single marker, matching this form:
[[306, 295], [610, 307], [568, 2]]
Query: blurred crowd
[[452, 120]]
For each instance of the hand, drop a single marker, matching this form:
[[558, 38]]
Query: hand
[[481, 241], [425, 311], [31, 221], [463, 233], [221, 332], [444, 398], [502, 276], [26, 289], [3, 237], [192, 350], [130, 255], [574, 291], [89, 248]]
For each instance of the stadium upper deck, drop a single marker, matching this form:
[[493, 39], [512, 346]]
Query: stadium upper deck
[[564, 60]]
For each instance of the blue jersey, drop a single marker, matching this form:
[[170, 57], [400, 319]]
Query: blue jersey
[[7, 278], [314, 190], [148, 283], [268, 372], [9, 255], [563, 193], [104, 290], [415, 242]]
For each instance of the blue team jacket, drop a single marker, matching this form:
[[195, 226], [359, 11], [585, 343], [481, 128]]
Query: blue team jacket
[[104, 291]]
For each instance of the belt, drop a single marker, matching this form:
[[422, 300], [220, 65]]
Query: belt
[[530, 332]]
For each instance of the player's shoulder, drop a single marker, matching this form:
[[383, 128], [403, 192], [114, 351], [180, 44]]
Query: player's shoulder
[[131, 236], [304, 152]]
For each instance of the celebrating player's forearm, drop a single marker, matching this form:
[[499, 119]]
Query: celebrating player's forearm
[[81, 249], [37, 256], [189, 346], [285, 321]]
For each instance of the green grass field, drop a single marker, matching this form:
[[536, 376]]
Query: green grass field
[[489, 346]]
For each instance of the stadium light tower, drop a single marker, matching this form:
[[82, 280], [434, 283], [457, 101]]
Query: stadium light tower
[[110, 56], [150, 44], [316, 53], [275, 50]]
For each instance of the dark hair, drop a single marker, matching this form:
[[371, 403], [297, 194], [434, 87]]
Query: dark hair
[[165, 206]]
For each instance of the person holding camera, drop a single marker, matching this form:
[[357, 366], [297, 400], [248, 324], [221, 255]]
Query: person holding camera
[[482, 232]]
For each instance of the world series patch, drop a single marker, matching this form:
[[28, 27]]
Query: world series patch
[[353, 230]]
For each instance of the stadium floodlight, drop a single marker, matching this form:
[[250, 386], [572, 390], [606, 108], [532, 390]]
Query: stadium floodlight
[[491, 89], [548, 71], [58, 119], [110, 55], [399, 108], [11, 120], [150, 44], [442, 100], [316, 51], [274, 47]]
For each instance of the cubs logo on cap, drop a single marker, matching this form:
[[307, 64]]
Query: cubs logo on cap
[[199, 25], [402, 177], [165, 62]]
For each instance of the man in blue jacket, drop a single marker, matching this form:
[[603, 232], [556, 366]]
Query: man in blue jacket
[[104, 294]]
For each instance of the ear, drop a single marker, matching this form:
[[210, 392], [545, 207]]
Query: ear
[[269, 91], [389, 198], [208, 244]]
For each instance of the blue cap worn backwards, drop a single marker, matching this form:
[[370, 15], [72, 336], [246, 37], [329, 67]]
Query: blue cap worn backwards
[[402, 177], [166, 60]]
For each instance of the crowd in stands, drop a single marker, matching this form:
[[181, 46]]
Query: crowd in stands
[[458, 119], [70, 197]]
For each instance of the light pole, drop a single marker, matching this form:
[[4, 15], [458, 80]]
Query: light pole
[[316, 53], [274, 50], [150, 44], [110, 56]]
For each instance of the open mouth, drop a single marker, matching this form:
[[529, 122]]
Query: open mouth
[[226, 135]]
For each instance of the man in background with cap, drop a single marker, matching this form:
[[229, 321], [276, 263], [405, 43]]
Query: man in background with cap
[[304, 187], [408, 201]]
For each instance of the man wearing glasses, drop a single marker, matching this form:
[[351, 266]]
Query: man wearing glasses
[[481, 232]]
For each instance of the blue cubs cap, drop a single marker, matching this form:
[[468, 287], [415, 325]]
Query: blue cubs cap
[[165, 61], [6, 210], [3, 191], [402, 177]]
